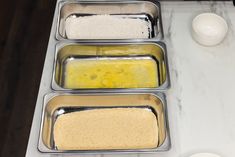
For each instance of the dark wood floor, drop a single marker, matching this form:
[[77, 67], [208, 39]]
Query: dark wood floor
[[24, 33]]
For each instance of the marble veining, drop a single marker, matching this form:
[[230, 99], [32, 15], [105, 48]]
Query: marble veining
[[202, 81]]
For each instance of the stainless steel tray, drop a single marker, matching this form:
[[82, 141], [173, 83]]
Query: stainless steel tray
[[54, 103], [155, 50], [148, 10], [60, 48]]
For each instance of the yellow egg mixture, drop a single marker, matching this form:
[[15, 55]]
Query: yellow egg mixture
[[111, 73]]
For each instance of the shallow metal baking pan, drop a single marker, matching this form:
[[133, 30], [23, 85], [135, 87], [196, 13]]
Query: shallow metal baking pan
[[54, 102], [155, 50], [148, 10]]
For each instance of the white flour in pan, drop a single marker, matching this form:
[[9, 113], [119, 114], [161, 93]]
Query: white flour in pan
[[105, 27]]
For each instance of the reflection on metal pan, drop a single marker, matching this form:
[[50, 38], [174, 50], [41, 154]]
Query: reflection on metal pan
[[56, 105], [145, 10]]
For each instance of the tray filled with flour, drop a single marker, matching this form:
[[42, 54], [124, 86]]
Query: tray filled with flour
[[109, 20]]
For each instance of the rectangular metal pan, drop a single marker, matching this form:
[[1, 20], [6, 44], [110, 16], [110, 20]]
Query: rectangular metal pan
[[111, 51], [148, 10], [54, 104]]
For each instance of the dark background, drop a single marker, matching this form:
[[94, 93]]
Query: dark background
[[24, 32]]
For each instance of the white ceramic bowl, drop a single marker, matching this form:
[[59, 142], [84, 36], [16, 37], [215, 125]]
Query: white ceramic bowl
[[204, 155], [209, 29]]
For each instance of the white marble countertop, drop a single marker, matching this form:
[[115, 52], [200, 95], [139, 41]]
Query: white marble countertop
[[201, 100]]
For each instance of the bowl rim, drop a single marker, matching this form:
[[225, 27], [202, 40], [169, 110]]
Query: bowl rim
[[217, 17]]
